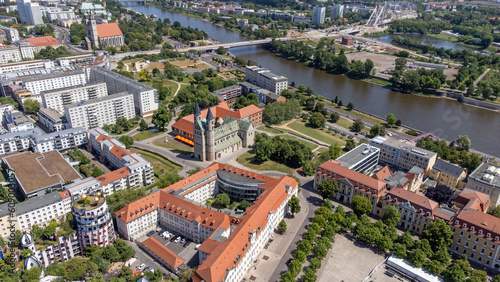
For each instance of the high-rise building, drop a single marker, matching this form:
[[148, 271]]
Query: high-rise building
[[318, 16], [56, 99], [11, 33], [266, 79], [29, 12], [337, 10]]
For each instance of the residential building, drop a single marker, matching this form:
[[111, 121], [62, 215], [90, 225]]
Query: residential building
[[266, 79], [8, 19], [265, 96], [145, 97], [56, 99], [29, 12], [33, 174], [300, 19], [60, 140], [40, 43], [100, 111], [91, 8], [230, 245], [162, 254], [5, 108], [351, 183], [58, 14], [318, 16], [93, 222], [9, 54], [39, 83], [50, 119], [448, 174], [337, 10], [102, 35], [11, 33], [185, 126], [17, 141], [15, 121], [214, 139], [228, 94], [8, 223], [26, 66], [486, 179], [403, 154], [362, 159]]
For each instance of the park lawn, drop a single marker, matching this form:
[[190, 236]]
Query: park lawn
[[174, 145], [270, 129], [321, 150], [445, 37], [145, 134], [136, 125], [312, 43], [345, 123], [380, 81], [153, 65], [357, 114], [307, 144], [318, 134], [159, 163], [246, 159]]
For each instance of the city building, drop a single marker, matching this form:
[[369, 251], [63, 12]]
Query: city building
[[300, 19], [26, 66], [39, 83], [265, 96], [89, 7], [56, 99], [60, 140], [100, 111], [145, 97], [29, 12], [486, 179], [351, 183], [40, 43], [102, 35], [229, 245], [11, 33], [58, 14], [362, 159], [50, 119], [162, 254], [318, 16], [448, 174], [15, 121], [228, 94], [34, 174], [7, 221], [346, 41], [185, 126], [214, 139], [94, 225], [17, 141], [5, 108], [266, 79], [403, 154], [337, 11], [16, 52]]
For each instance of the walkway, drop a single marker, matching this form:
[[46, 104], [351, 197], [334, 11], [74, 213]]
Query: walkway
[[481, 77]]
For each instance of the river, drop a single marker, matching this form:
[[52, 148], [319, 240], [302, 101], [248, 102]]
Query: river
[[445, 118], [424, 39]]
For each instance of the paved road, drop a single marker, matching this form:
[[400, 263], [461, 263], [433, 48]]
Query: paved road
[[481, 77], [64, 37]]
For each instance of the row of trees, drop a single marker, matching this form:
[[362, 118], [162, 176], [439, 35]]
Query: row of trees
[[289, 152], [416, 80]]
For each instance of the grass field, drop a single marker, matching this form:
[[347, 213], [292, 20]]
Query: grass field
[[153, 65], [160, 164], [318, 134], [174, 145], [270, 129], [246, 159], [145, 134], [190, 65], [307, 144], [380, 81]]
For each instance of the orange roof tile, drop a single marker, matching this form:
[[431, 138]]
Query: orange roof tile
[[480, 221], [65, 194], [473, 199], [383, 173], [108, 30], [119, 152], [417, 201], [43, 41], [164, 253], [113, 176], [139, 208]]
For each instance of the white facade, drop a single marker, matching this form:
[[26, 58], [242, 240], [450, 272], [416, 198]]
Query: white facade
[[40, 211], [54, 81], [10, 54], [318, 16], [56, 99], [266, 79], [33, 13], [60, 140], [26, 66], [337, 10], [145, 97], [51, 119], [98, 112], [11, 33]]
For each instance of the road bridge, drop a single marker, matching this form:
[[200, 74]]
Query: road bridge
[[235, 44]]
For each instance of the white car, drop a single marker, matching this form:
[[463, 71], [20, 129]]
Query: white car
[[141, 267], [178, 239]]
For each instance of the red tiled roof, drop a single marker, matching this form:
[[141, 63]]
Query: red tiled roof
[[208, 246], [119, 152], [480, 221], [352, 176], [64, 194], [43, 41], [473, 199], [139, 208], [416, 200], [108, 30], [113, 176], [383, 173], [167, 255]]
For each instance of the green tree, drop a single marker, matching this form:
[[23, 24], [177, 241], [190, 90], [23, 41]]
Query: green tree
[[320, 251], [376, 130], [282, 226], [26, 253], [361, 205], [438, 233], [310, 275], [358, 125], [244, 205], [434, 267], [145, 75], [334, 117], [222, 200], [399, 250], [391, 216], [496, 278], [463, 142], [335, 150], [454, 273], [442, 255], [221, 50], [349, 145], [294, 266], [162, 117], [470, 90], [32, 275], [294, 204], [317, 120], [143, 125], [127, 141], [31, 106], [391, 120], [126, 273], [300, 256], [478, 276], [350, 106], [417, 258], [328, 188], [50, 229], [36, 231]]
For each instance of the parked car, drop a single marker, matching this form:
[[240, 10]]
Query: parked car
[[177, 240], [148, 268], [186, 244], [150, 233], [141, 267], [183, 240], [173, 239]]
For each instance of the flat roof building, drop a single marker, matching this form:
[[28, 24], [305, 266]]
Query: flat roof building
[[362, 159], [486, 179]]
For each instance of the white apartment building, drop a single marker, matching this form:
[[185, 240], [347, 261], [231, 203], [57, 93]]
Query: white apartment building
[[318, 16], [486, 179], [10, 54], [56, 99], [40, 211], [404, 155], [11, 33], [50, 119], [15, 121], [145, 97], [266, 79], [38, 84], [60, 140], [337, 10], [56, 13], [26, 66], [3, 109], [100, 111], [16, 141]]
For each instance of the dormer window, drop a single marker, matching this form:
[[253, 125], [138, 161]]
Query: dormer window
[[472, 228], [480, 232], [427, 214], [464, 225], [456, 222], [488, 235], [420, 211], [496, 238]]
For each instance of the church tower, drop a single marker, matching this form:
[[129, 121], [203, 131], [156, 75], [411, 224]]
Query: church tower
[[91, 29], [198, 135], [210, 136]]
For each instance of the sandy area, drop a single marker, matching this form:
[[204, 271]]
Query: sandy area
[[382, 62]]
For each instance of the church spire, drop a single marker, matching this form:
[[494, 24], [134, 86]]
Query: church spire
[[197, 111], [209, 115]]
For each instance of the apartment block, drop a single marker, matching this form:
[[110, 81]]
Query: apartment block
[[15, 121], [229, 94], [50, 119], [41, 211], [486, 179], [100, 111], [57, 98], [26, 66], [337, 10], [403, 154], [9, 54], [318, 16], [17, 141], [60, 140], [145, 97], [11, 33], [448, 174], [266, 79], [39, 83]]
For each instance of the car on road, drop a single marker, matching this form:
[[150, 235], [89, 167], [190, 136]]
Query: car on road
[[390, 134], [177, 240], [141, 267], [186, 244], [150, 233]]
